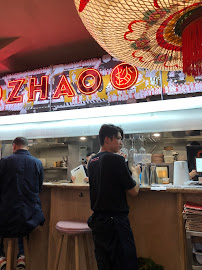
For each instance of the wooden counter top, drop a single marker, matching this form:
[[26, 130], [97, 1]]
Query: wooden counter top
[[161, 188], [66, 185]]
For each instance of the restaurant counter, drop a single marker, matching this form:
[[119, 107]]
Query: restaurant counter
[[155, 217]]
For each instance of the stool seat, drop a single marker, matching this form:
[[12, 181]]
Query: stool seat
[[73, 231], [72, 227]]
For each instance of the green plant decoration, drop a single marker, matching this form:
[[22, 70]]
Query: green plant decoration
[[148, 264]]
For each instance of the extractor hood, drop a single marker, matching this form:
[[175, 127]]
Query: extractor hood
[[154, 116]]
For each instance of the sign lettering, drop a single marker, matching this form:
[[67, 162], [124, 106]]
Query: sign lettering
[[89, 81], [64, 88], [42, 88], [15, 85]]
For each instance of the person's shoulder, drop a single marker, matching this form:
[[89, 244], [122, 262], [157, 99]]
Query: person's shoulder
[[35, 159], [8, 157], [113, 157]]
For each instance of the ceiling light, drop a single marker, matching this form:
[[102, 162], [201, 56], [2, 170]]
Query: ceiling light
[[82, 138], [156, 135]]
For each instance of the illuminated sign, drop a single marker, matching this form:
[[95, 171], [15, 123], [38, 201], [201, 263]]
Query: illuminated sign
[[41, 88], [13, 96], [63, 88], [84, 81], [89, 81], [124, 76], [1, 93]]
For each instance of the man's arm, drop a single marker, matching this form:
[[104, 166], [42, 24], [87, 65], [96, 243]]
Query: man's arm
[[41, 178], [2, 167], [135, 174]]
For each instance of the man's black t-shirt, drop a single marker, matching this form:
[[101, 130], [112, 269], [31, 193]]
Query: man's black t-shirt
[[109, 178]]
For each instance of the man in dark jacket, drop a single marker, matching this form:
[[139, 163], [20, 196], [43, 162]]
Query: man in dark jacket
[[21, 179]]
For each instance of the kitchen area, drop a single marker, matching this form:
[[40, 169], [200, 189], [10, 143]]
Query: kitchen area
[[155, 214], [60, 155]]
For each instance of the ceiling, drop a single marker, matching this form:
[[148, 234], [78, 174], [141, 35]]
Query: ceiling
[[36, 34]]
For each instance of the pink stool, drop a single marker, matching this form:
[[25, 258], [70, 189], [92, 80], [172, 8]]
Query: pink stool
[[73, 229]]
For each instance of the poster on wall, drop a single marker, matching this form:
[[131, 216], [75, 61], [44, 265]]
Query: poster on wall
[[177, 83]]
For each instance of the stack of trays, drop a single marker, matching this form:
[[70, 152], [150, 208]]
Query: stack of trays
[[192, 214]]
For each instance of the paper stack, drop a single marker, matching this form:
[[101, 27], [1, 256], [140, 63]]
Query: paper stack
[[192, 214]]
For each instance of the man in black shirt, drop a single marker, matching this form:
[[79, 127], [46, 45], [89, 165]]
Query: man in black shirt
[[109, 180]]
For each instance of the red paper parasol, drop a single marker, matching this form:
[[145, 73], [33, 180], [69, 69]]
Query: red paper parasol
[[154, 34]]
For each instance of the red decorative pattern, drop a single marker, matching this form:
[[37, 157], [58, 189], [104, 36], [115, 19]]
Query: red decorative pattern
[[177, 66], [131, 30], [160, 37], [82, 5], [156, 59], [156, 4]]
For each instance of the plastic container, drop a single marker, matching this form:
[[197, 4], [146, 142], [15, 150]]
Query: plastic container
[[153, 175], [141, 158], [144, 176], [169, 159], [165, 180]]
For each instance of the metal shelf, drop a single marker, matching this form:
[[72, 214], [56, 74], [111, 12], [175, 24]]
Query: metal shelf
[[191, 259], [194, 233], [196, 265], [55, 168]]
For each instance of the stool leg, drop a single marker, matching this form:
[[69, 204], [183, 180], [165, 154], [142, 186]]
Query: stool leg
[[10, 252], [86, 251], [76, 252], [68, 261], [26, 250], [58, 252]]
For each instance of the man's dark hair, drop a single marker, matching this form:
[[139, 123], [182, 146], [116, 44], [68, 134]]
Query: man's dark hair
[[109, 130], [194, 143], [20, 141]]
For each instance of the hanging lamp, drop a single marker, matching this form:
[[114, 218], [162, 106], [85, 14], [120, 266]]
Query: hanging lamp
[[154, 34]]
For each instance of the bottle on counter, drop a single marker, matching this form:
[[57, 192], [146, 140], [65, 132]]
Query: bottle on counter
[[144, 176], [153, 175]]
